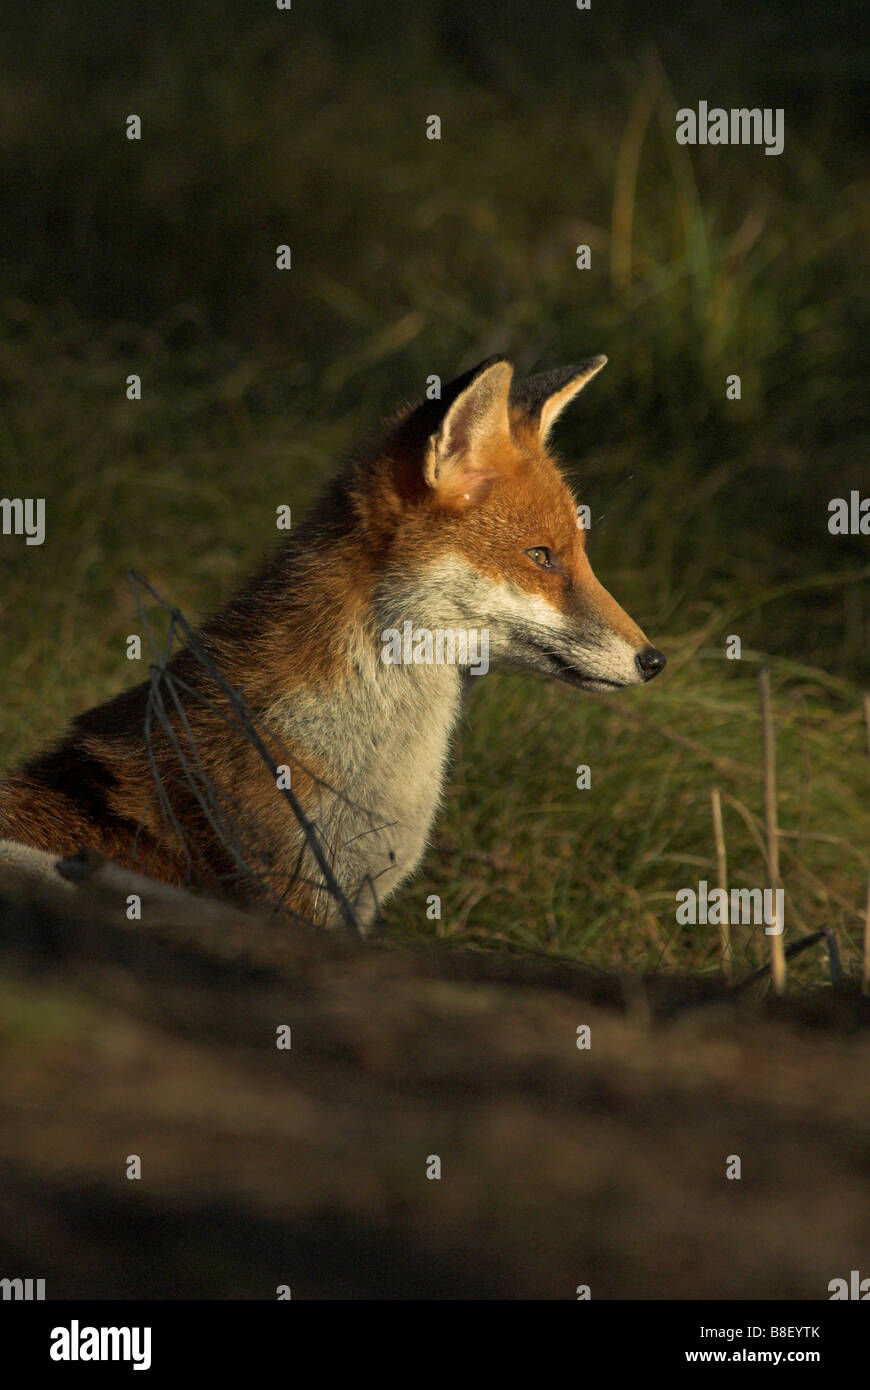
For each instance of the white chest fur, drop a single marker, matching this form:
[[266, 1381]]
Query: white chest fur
[[384, 737]]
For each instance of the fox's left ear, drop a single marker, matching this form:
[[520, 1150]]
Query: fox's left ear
[[542, 398], [461, 461]]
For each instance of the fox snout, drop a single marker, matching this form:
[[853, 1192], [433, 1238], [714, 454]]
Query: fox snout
[[598, 660], [602, 647]]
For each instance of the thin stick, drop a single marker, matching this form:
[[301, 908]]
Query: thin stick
[[794, 950], [777, 952], [865, 977], [834, 959], [722, 873]]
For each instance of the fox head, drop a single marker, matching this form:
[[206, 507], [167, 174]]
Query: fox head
[[485, 532]]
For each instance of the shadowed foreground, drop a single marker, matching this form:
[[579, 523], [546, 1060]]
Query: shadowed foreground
[[264, 1167]]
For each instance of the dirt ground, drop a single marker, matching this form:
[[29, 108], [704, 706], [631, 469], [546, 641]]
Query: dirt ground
[[306, 1166]]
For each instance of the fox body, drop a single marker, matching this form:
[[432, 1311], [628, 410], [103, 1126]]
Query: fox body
[[459, 520]]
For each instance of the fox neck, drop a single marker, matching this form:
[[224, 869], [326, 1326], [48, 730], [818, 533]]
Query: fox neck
[[379, 727]]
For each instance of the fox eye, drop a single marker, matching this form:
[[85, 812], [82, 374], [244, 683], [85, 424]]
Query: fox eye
[[541, 556]]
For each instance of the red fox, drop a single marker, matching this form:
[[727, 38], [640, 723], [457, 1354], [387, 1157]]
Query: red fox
[[351, 647]]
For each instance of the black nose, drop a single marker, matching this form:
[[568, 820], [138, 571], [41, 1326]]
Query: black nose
[[649, 662]]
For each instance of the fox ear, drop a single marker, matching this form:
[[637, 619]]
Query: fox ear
[[543, 397], [460, 464]]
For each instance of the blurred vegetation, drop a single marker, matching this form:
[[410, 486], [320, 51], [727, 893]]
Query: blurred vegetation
[[410, 257]]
